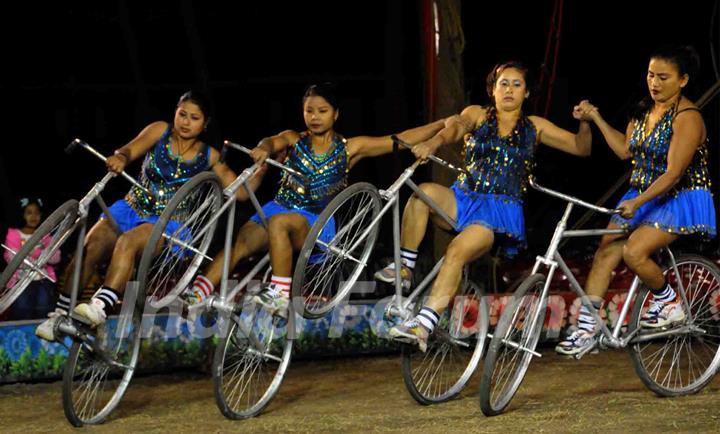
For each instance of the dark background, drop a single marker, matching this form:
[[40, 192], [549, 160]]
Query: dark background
[[102, 71]]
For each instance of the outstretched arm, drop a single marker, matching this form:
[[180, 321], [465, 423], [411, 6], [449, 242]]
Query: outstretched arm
[[365, 146], [453, 131]]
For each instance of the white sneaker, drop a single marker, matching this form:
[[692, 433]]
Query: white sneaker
[[46, 329], [662, 314], [387, 275], [274, 300], [411, 332], [578, 341], [93, 312]]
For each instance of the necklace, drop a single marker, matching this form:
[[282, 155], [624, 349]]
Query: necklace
[[179, 157]]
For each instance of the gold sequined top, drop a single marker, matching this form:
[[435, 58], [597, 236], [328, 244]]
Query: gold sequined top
[[650, 152], [163, 173], [326, 175], [499, 165]]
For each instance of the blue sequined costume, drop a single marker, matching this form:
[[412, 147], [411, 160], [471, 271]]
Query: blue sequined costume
[[499, 168], [688, 207], [163, 173], [326, 176]]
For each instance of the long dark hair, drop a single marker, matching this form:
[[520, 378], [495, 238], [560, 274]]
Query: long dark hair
[[685, 59]]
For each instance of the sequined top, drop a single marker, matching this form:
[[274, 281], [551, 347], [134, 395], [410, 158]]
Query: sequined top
[[499, 165], [326, 175], [650, 156], [164, 173]]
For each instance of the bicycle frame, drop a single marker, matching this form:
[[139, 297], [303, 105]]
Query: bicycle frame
[[67, 327], [553, 260], [392, 196], [223, 302]]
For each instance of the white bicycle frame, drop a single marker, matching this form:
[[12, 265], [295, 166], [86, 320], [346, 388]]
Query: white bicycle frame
[[552, 260], [392, 196], [223, 301]]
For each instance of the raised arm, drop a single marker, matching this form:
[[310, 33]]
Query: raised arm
[[688, 133], [137, 146], [453, 131], [561, 139], [366, 146], [617, 141]]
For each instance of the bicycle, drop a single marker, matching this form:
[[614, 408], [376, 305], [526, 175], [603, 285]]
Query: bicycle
[[327, 271], [91, 390], [664, 359], [254, 350]]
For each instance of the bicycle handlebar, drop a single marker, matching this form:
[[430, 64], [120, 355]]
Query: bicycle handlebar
[[77, 142], [432, 158], [571, 199], [270, 161]]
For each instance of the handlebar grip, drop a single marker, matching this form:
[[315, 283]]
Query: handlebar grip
[[69, 149]]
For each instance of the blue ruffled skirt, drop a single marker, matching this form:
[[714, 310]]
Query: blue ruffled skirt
[[501, 214], [686, 212]]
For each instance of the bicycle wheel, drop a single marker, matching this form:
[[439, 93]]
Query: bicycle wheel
[[99, 369], [453, 352], [50, 236], [684, 362], [168, 266], [327, 269], [508, 356], [250, 361]]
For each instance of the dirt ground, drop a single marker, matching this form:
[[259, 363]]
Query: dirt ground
[[600, 393]]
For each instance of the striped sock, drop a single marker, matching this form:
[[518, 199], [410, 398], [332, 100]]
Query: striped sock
[[428, 318], [586, 321], [202, 287], [409, 257], [108, 296], [281, 284], [664, 295], [63, 303]]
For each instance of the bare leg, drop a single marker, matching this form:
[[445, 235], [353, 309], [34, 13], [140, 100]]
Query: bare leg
[[287, 234], [416, 214], [473, 242], [251, 238], [607, 257], [643, 242], [128, 248], [99, 243]]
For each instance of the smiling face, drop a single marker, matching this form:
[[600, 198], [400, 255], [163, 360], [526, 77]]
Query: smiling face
[[319, 115], [510, 90], [664, 80], [189, 120]]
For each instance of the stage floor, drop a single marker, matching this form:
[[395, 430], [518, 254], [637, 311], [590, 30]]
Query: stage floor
[[599, 393]]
